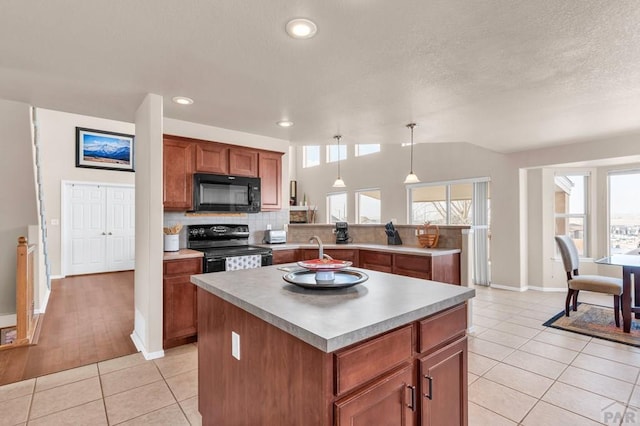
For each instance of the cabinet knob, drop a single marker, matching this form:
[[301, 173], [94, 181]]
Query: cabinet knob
[[104, 233]]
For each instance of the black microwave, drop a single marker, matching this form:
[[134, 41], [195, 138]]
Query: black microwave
[[221, 193]]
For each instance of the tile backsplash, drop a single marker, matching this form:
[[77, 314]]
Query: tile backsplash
[[257, 222]]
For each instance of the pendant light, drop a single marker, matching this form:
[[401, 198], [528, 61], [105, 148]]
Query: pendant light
[[411, 177], [339, 183]]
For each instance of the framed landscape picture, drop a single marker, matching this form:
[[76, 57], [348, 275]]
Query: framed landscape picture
[[97, 149]]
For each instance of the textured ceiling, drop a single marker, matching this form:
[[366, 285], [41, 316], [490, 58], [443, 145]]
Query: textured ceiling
[[506, 75]]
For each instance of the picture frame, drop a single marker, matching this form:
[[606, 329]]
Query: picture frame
[[99, 149]]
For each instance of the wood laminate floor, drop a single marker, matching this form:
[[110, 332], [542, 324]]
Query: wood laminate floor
[[89, 318]]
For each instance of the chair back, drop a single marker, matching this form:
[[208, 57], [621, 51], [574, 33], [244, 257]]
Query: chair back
[[569, 253]]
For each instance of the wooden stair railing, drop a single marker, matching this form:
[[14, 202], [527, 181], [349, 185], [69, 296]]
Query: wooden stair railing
[[26, 320]]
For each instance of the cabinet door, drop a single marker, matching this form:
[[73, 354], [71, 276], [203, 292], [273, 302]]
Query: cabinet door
[[212, 158], [375, 261], [443, 386], [270, 172], [389, 401], [180, 322], [446, 268], [177, 174], [285, 256], [412, 266], [243, 162]]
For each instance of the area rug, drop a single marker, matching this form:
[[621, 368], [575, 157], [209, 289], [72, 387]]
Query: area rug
[[596, 321]]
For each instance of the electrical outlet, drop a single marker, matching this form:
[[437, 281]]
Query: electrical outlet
[[55, 222], [268, 226], [235, 345]]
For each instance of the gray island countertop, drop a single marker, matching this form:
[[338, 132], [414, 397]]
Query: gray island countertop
[[332, 319]]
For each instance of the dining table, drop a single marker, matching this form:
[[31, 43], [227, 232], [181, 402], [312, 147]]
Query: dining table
[[630, 271]]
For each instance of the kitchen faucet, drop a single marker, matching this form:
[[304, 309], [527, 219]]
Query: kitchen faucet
[[320, 248]]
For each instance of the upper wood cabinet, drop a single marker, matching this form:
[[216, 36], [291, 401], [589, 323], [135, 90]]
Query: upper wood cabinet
[[178, 165], [270, 172], [243, 162], [212, 158], [182, 157]]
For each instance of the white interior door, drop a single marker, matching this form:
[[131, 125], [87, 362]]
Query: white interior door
[[87, 229], [120, 226], [99, 228]]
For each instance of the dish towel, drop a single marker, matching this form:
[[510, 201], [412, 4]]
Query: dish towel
[[243, 262]]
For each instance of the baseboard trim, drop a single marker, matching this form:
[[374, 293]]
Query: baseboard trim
[[57, 277], [550, 289], [45, 301], [8, 320], [506, 287], [140, 347]]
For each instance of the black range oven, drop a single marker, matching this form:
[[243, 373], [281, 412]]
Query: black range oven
[[226, 247]]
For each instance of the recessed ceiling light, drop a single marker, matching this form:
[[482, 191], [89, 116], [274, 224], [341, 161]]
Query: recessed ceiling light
[[182, 100], [301, 28], [285, 123]]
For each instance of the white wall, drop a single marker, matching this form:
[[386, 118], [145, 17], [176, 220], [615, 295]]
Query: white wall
[[517, 255], [17, 192], [387, 169], [147, 334], [58, 163]]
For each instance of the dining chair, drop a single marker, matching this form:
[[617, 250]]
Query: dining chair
[[577, 282]]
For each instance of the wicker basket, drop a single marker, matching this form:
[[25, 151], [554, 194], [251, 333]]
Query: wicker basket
[[428, 235]]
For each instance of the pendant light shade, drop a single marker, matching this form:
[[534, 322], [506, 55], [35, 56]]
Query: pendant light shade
[[339, 183], [411, 177]]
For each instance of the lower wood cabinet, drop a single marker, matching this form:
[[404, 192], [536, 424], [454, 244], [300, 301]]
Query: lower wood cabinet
[[389, 401], [285, 256], [376, 261], [444, 268], [443, 386], [179, 302], [379, 381]]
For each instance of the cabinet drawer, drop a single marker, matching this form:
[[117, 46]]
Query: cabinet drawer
[[442, 327], [369, 360], [375, 261], [285, 256], [183, 266]]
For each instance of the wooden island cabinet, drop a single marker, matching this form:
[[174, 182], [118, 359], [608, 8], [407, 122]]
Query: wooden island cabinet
[[182, 157], [415, 373]]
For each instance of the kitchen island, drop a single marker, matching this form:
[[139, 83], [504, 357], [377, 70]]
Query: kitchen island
[[389, 351]]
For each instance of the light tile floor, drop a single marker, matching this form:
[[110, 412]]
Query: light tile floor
[[122, 391], [520, 373]]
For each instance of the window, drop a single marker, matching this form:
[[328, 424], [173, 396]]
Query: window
[[429, 204], [332, 153], [457, 203], [311, 156], [571, 208], [368, 206], [337, 207], [624, 212], [367, 148]]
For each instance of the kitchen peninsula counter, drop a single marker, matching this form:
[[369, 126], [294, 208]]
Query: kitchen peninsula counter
[[402, 249], [307, 355]]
